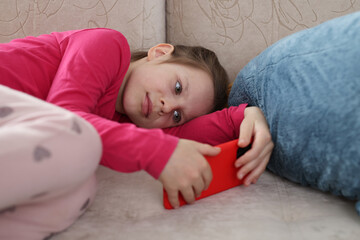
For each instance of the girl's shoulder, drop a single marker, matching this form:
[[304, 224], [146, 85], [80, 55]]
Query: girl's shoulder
[[90, 34]]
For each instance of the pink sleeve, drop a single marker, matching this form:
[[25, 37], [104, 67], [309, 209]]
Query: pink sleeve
[[92, 67], [213, 128], [127, 148]]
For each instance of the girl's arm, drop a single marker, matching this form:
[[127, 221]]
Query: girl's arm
[[127, 148], [214, 128]]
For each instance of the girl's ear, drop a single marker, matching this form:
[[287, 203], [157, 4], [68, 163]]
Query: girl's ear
[[160, 50]]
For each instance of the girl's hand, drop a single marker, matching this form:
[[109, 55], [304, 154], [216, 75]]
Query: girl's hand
[[254, 128], [187, 171]]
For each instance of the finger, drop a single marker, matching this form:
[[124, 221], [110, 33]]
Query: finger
[[244, 170], [208, 150], [249, 156], [261, 141], [198, 187], [188, 194], [246, 132], [250, 166], [255, 174], [207, 176], [173, 196]]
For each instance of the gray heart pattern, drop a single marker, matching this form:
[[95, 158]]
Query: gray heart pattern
[[41, 153], [50, 236], [9, 209], [76, 128], [39, 195], [5, 111], [85, 205]]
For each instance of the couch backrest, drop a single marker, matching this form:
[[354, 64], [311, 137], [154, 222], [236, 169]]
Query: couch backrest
[[237, 30], [141, 21]]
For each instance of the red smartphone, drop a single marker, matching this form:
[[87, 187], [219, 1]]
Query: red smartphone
[[223, 170]]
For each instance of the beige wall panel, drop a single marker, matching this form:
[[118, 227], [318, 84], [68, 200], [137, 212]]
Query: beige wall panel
[[238, 30]]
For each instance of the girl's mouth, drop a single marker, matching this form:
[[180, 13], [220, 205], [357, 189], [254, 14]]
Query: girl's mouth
[[146, 107]]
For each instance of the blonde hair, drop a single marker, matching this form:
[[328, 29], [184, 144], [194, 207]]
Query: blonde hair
[[203, 58]]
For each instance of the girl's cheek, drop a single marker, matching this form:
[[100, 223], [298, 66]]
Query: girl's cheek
[[164, 122]]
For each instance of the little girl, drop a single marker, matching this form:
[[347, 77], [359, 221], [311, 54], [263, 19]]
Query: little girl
[[73, 99]]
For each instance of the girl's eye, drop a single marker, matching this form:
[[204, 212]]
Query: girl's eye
[[177, 116], [178, 88]]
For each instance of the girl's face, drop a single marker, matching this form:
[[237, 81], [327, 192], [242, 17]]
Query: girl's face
[[161, 95]]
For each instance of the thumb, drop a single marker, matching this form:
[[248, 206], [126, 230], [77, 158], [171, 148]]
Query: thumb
[[208, 150]]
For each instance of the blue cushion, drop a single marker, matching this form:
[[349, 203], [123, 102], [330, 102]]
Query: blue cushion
[[308, 86]]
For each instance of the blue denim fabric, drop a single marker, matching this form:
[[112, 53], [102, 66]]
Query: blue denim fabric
[[308, 86]]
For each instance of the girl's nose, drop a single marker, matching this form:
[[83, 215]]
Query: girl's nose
[[167, 106]]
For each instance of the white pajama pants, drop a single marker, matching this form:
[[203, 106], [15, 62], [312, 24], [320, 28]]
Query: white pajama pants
[[48, 158]]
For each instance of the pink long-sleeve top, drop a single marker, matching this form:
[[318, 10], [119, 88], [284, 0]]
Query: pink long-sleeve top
[[82, 71]]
